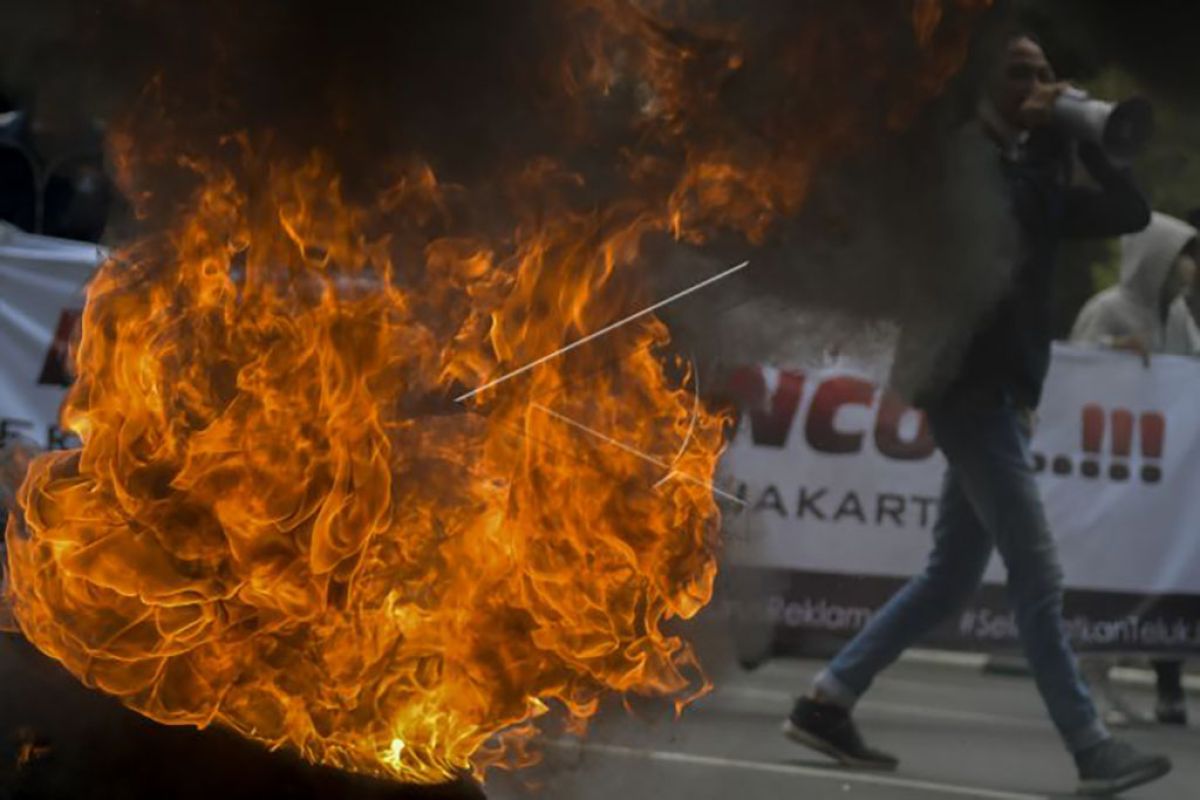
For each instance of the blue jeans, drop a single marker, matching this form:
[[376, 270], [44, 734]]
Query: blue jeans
[[989, 498]]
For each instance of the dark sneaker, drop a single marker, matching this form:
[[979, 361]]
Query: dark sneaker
[[1171, 711], [1113, 766], [829, 730]]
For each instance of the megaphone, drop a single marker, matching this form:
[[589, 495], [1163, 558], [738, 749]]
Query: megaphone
[[1122, 129]]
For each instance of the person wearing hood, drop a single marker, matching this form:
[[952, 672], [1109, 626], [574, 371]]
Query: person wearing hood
[[1146, 312]]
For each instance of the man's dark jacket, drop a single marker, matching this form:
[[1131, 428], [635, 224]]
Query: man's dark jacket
[[1010, 353]]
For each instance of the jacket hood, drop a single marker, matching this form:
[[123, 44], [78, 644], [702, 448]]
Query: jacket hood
[[1147, 256]]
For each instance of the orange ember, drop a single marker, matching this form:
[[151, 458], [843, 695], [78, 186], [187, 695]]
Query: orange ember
[[278, 522]]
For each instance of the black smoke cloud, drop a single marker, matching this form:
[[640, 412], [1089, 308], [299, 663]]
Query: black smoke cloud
[[905, 236], [460, 82]]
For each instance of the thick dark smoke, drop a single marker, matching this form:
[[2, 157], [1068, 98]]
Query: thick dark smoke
[[905, 236], [475, 89], [918, 241], [362, 81]]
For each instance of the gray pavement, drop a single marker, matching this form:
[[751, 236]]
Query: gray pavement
[[959, 734]]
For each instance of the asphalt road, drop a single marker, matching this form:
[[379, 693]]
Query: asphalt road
[[959, 734]]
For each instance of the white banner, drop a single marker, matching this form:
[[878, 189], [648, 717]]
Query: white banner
[[42, 282], [841, 481], [839, 478]]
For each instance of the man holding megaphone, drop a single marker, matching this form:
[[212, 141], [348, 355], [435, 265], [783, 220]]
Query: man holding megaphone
[[982, 419]]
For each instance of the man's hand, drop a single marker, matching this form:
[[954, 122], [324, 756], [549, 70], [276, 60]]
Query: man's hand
[[1036, 109], [1132, 343]]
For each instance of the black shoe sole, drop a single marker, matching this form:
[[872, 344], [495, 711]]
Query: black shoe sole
[[827, 748], [1151, 772]]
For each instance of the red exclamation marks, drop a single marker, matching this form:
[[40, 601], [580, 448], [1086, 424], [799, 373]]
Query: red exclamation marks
[[1122, 443], [1093, 438], [1153, 432]]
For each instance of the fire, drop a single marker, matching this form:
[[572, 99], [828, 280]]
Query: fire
[[279, 520], [259, 532]]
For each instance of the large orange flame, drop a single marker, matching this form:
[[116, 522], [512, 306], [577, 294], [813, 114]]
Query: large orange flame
[[276, 523], [258, 532]]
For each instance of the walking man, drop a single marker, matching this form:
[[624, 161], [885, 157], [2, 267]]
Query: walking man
[[982, 423]]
